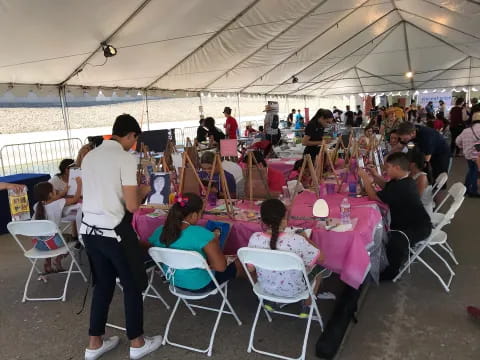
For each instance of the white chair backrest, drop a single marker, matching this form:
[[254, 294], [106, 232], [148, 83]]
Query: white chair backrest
[[456, 204], [32, 228], [178, 259], [268, 259], [456, 191], [440, 180]]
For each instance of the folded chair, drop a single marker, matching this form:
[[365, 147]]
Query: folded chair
[[436, 238], [174, 260], [35, 228], [276, 260]]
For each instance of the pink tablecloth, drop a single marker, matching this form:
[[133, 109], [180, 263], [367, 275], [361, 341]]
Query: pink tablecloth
[[345, 252], [282, 165]]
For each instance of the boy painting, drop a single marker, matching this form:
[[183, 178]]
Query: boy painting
[[406, 209]]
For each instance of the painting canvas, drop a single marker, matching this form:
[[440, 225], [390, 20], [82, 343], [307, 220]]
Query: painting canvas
[[19, 205], [223, 228], [160, 183]]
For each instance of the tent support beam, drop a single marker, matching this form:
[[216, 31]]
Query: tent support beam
[[224, 27], [409, 59], [444, 8], [438, 23], [146, 110], [443, 72], [65, 115], [385, 79], [308, 13], [385, 33], [304, 46], [336, 48], [358, 77], [122, 25], [331, 79]]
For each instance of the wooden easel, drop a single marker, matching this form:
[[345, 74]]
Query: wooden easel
[[187, 161], [307, 161], [223, 181], [250, 160], [320, 163]]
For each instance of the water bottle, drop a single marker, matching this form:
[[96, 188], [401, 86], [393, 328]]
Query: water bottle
[[345, 211]]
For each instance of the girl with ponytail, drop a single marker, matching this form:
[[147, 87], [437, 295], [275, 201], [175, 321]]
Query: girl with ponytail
[[283, 283], [49, 207], [182, 232]]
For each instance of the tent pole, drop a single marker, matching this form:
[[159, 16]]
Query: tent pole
[[200, 108], [146, 109], [66, 122], [238, 102]]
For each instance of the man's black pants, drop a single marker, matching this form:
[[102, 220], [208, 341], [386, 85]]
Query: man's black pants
[[108, 261]]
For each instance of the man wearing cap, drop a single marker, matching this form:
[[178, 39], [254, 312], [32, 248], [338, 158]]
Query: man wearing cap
[[231, 125], [110, 196]]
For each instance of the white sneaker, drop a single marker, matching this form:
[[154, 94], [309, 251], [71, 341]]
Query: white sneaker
[[107, 345], [151, 344]]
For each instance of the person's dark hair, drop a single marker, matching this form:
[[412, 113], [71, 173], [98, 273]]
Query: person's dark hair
[[474, 101], [358, 106], [124, 125], [227, 110], [321, 113], [41, 193], [368, 127], [405, 128], [430, 103], [347, 107], [293, 110], [201, 121], [207, 157], [210, 123], [441, 102], [298, 165], [430, 124], [400, 159], [272, 212], [258, 156], [459, 101], [430, 116], [64, 164], [298, 110], [260, 128], [417, 157], [177, 213]]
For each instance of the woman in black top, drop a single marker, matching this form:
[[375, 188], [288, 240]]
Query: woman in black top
[[314, 132], [202, 131], [214, 133]]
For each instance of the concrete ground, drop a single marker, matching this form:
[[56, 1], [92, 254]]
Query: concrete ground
[[413, 319]]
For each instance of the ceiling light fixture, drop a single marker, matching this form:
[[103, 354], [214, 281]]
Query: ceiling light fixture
[[434, 90], [382, 94], [474, 89], [454, 90], [409, 74], [416, 92], [108, 50], [443, 90], [465, 90], [294, 80], [425, 91]]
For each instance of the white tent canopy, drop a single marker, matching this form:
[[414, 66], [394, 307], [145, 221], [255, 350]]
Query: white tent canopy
[[249, 46]]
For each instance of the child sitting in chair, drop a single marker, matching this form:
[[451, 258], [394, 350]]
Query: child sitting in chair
[[295, 173], [406, 209], [284, 283], [48, 207], [182, 232]]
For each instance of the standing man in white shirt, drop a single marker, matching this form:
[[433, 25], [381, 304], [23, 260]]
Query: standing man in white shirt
[[110, 197]]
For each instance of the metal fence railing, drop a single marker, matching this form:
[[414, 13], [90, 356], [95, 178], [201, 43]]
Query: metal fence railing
[[179, 139], [190, 132], [37, 157]]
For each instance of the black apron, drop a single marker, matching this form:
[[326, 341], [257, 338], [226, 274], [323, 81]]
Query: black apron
[[131, 248]]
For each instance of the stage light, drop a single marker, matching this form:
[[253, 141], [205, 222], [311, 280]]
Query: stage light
[[409, 74], [108, 50]]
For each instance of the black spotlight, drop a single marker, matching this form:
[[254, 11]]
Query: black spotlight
[[108, 50], [294, 80]]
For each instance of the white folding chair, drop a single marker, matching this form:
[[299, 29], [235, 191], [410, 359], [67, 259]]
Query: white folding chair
[[457, 194], [276, 260], [184, 260], [440, 181], [35, 228], [436, 238]]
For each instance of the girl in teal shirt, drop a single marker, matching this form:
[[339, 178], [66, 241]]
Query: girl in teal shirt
[[181, 232]]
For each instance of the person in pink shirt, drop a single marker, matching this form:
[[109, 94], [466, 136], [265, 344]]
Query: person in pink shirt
[[231, 125]]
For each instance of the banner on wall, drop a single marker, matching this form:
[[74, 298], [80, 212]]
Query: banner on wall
[[423, 99]]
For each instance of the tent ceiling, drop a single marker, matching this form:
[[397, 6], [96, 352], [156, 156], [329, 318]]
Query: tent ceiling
[[251, 46]]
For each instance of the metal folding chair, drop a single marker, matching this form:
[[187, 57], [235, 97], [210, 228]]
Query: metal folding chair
[[35, 228], [276, 260], [174, 260]]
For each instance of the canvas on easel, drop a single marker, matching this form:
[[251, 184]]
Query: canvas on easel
[[307, 161], [19, 205], [189, 179], [217, 164], [256, 183]]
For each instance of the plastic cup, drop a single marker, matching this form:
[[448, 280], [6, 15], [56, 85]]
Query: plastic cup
[[330, 188]]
